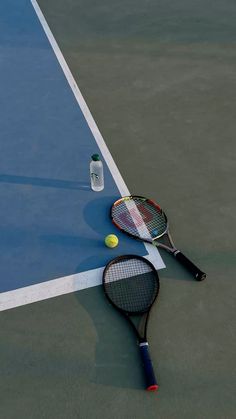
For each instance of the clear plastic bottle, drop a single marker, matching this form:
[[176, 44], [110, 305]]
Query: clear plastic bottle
[[96, 173]]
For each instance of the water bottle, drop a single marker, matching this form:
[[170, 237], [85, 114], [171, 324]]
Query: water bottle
[[96, 173]]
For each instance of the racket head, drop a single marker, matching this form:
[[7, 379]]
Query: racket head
[[131, 284], [139, 217]]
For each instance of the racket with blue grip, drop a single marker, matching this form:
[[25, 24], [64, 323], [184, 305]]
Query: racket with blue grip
[[131, 285]]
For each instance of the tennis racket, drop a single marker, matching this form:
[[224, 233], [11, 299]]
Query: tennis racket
[[143, 219], [131, 284]]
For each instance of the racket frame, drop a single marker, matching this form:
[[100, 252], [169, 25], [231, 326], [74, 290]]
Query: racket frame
[[198, 274], [153, 241], [142, 338]]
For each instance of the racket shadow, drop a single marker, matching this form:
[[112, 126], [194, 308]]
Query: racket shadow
[[117, 360]]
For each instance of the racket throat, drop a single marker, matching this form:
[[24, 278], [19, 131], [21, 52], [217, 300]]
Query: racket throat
[[175, 252]]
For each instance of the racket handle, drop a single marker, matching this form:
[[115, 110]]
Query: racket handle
[[197, 273], [151, 381]]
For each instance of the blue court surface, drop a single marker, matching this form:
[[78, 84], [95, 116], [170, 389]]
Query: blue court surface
[[52, 224]]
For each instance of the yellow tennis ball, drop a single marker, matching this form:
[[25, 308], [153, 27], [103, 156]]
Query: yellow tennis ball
[[111, 240]]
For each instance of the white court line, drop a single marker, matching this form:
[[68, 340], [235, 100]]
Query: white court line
[[54, 288], [76, 282]]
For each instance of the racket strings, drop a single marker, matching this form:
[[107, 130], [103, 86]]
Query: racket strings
[[131, 285], [139, 218], [157, 224]]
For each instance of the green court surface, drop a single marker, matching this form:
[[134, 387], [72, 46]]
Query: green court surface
[[160, 81]]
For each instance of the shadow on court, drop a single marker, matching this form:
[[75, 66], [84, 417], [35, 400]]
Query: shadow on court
[[43, 182], [117, 360]]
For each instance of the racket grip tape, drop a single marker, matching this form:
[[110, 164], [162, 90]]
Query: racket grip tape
[[197, 273], [151, 382]]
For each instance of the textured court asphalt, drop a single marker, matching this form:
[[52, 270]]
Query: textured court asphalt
[[159, 79]]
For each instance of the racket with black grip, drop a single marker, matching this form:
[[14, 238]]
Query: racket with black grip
[[143, 219], [131, 284]]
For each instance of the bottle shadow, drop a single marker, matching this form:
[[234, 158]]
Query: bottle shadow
[[44, 182]]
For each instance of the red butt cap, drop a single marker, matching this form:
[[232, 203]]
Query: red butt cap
[[153, 387]]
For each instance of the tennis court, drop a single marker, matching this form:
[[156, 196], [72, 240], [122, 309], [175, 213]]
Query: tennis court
[[151, 88]]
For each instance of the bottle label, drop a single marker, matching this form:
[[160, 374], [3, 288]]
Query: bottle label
[[94, 176]]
